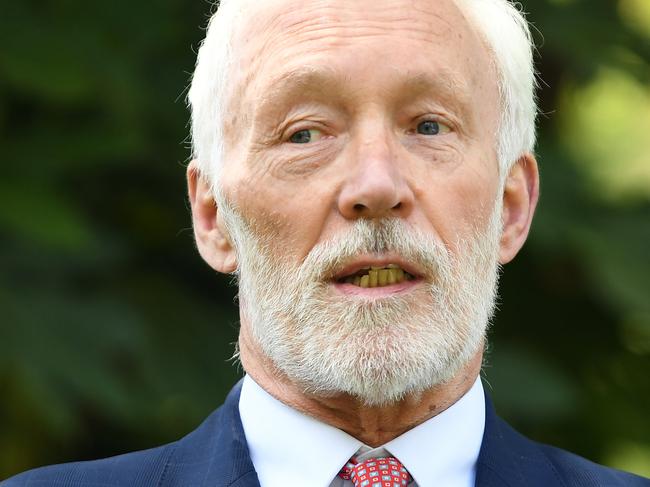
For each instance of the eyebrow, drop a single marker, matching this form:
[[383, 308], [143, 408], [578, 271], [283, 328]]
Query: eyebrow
[[301, 81], [319, 81], [445, 84]]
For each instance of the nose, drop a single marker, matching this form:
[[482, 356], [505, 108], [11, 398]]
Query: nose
[[375, 186]]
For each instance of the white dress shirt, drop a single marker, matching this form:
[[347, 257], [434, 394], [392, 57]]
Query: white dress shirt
[[289, 448]]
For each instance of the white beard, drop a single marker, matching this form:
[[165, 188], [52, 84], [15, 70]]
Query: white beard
[[375, 350]]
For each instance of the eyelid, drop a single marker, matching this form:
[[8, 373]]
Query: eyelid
[[292, 129]]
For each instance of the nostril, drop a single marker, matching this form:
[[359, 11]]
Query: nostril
[[359, 207], [397, 206]]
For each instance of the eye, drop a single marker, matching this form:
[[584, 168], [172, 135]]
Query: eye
[[305, 136], [432, 127]]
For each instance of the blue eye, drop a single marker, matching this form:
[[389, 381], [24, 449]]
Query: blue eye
[[305, 136], [301, 137], [428, 127]]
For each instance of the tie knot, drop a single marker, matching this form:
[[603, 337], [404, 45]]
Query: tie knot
[[376, 472]]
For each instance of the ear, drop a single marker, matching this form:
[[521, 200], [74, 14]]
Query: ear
[[520, 194], [210, 233]]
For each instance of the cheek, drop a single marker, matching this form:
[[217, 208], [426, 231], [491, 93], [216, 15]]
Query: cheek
[[295, 164], [460, 202], [476, 199], [289, 215]]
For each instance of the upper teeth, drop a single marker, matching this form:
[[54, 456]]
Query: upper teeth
[[374, 276]]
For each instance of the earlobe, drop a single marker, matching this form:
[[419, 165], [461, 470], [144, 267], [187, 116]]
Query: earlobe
[[211, 236], [520, 195]]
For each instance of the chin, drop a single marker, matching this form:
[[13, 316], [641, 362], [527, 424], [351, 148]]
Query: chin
[[378, 353]]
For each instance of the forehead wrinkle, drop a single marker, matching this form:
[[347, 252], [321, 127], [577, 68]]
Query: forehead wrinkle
[[320, 20], [318, 26]]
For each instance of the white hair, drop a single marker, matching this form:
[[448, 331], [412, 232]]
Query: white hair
[[503, 29]]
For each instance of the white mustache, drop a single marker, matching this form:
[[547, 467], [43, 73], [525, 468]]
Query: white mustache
[[375, 238]]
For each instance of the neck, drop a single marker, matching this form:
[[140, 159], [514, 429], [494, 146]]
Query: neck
[[374, 426]]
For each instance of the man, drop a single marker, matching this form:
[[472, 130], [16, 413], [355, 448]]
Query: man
[[363, 170]]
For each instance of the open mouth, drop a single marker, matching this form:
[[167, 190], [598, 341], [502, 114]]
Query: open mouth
[[373, 276]]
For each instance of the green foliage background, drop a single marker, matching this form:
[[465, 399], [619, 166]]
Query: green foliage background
[[114, 336]]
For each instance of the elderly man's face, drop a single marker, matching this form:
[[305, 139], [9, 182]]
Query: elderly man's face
[[347, 110], [362, 137]]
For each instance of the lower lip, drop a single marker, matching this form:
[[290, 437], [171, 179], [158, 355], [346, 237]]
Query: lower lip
[[376, 292]]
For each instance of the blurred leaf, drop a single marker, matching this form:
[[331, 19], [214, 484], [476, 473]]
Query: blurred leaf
[[606, 125], [34, 213], [528, 387], [632, 457]]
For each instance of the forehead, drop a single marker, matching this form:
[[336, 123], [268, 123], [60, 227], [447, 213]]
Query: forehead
[[274, 32], [337, 19]]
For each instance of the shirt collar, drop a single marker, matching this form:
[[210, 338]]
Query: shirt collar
[[288, 447], [291, 448], [444, 449]]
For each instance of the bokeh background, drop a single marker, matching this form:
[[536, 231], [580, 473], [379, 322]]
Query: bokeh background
[[114, 336]]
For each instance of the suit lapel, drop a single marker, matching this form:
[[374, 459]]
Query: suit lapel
[[215, 454], [508, 459]]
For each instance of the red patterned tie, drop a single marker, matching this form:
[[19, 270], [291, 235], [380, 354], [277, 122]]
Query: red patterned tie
[[376, 472]]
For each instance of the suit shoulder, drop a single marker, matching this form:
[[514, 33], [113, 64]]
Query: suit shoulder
[[517, 460], [214, 454], [146, 468], [576, 470]]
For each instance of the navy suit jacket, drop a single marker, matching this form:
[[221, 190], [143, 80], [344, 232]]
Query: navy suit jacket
[[216, 455]]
